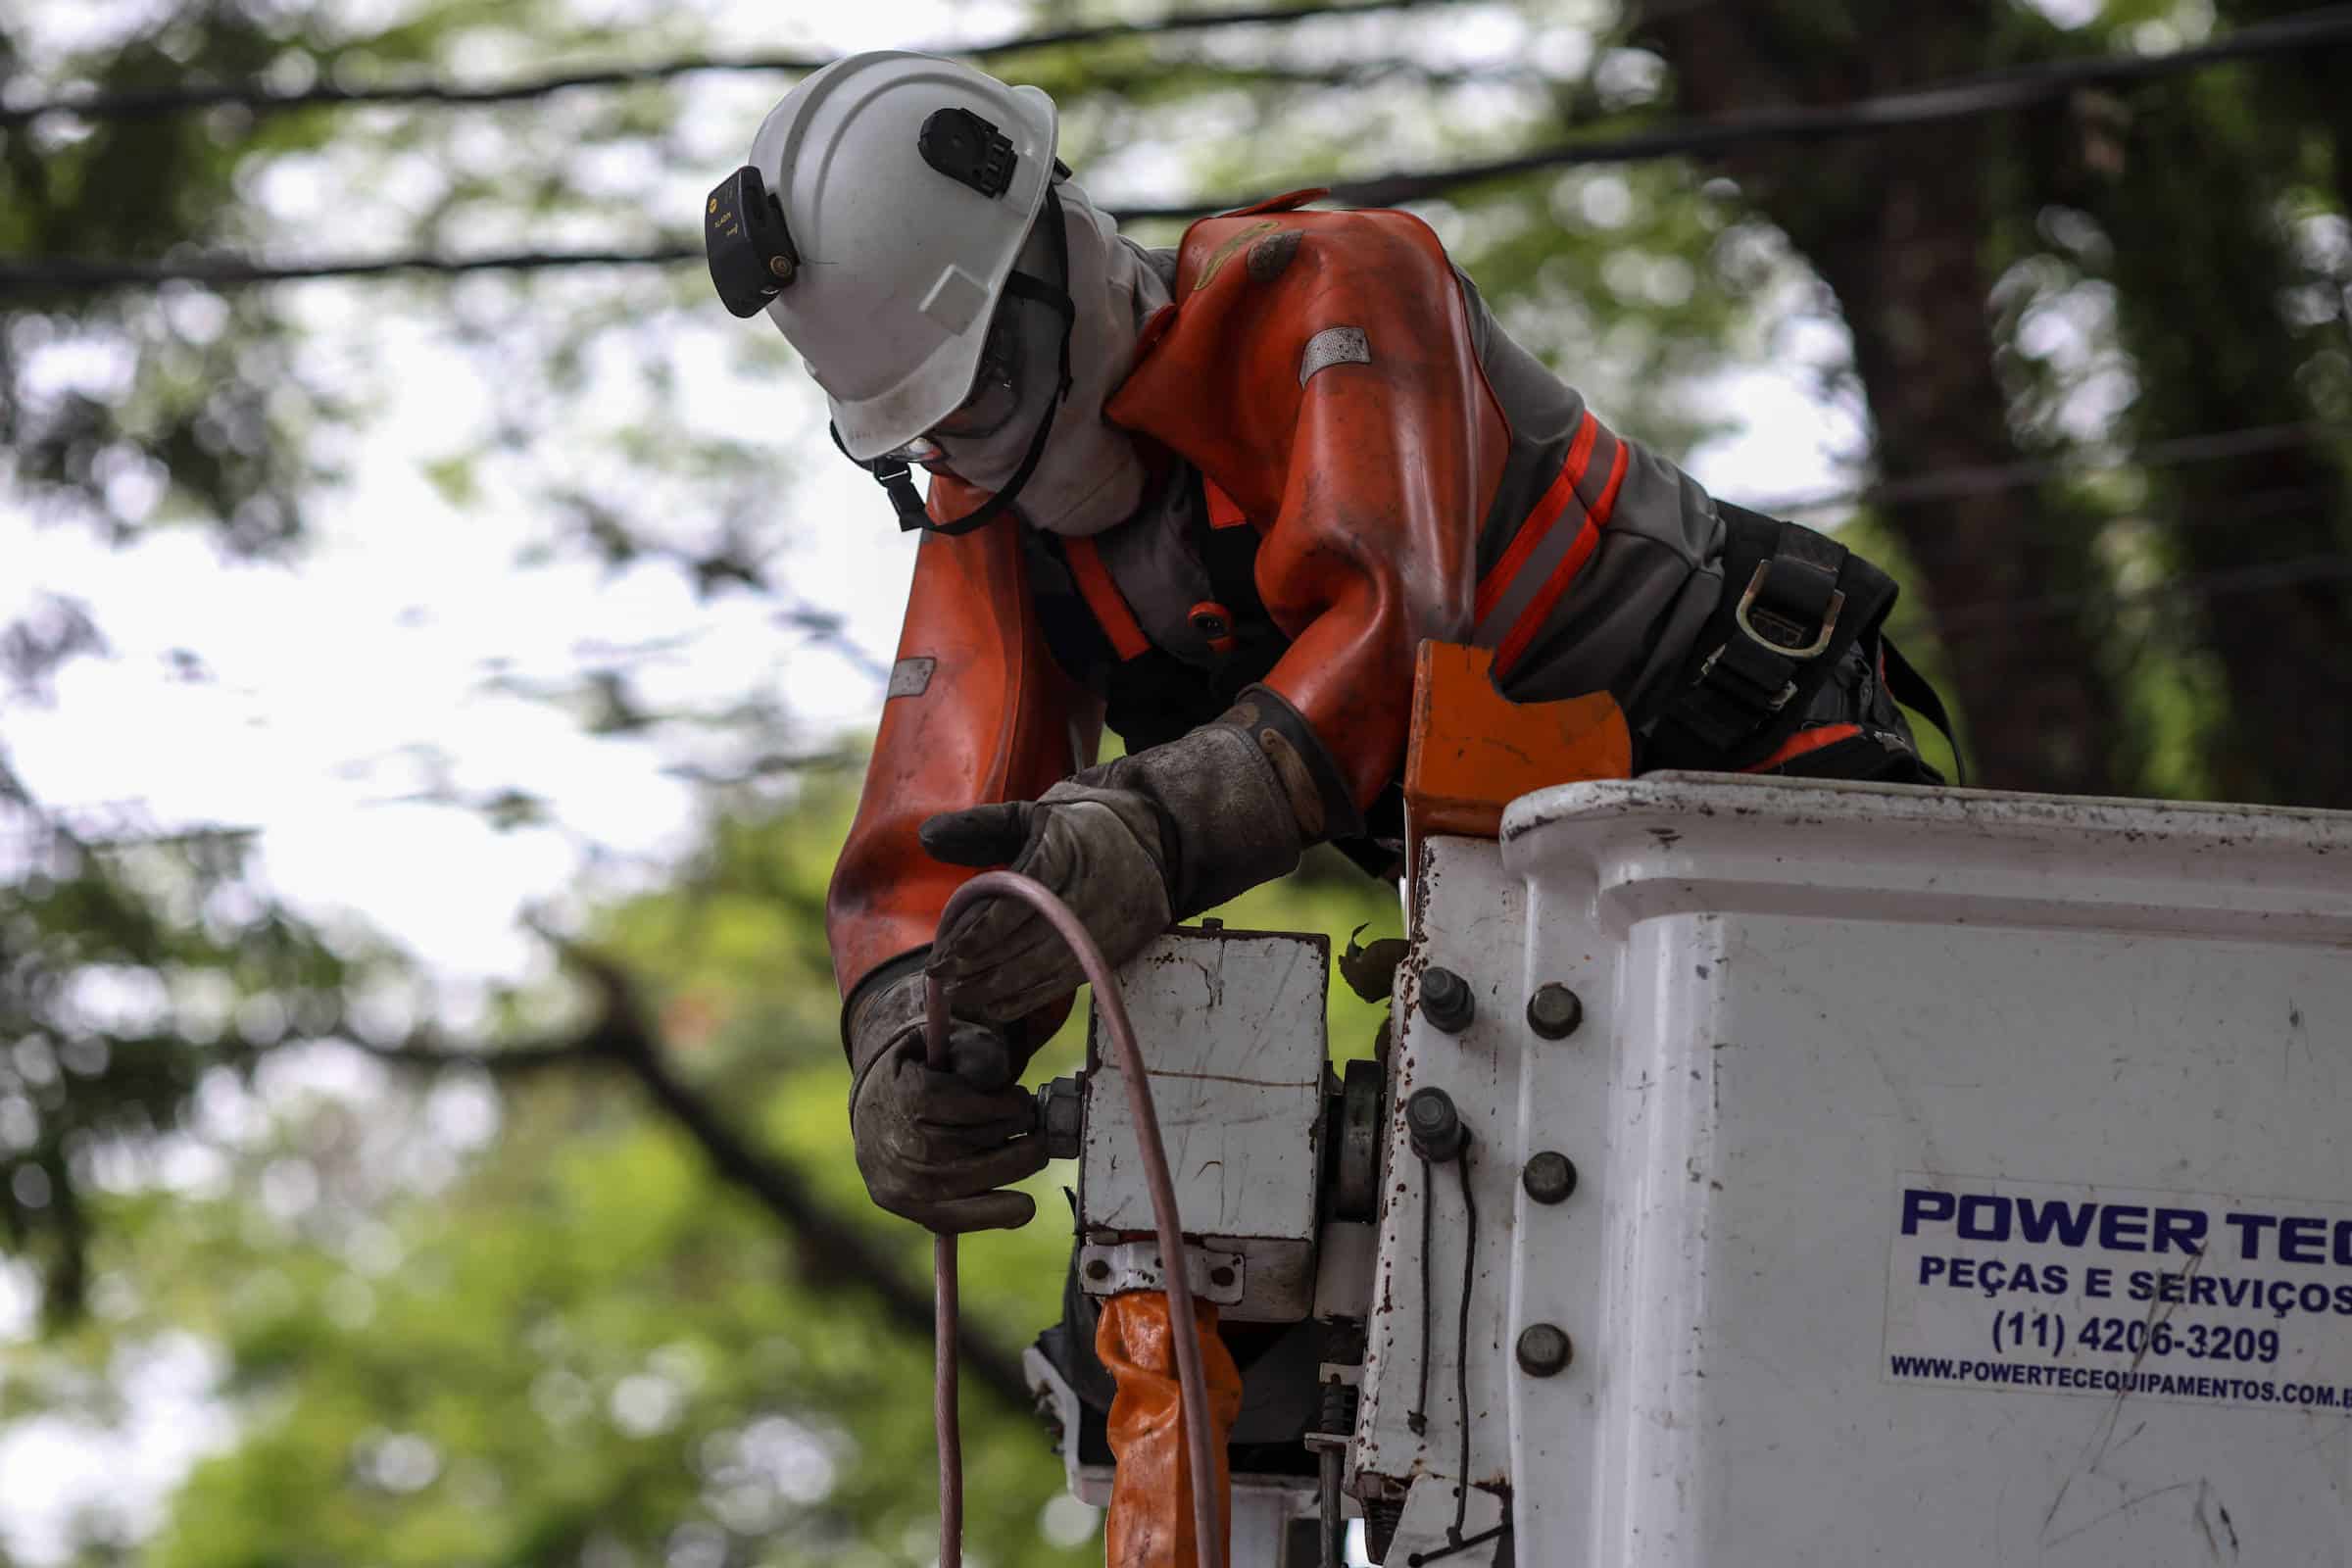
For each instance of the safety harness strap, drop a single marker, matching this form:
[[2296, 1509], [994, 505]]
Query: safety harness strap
[[1907, 686], [1793, 601]]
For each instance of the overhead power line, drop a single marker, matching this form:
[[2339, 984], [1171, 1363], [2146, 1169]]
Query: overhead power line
[[1992, 478], [1965, 98], [155, 102], [1991, 93], [2206, 585], [71, 274]]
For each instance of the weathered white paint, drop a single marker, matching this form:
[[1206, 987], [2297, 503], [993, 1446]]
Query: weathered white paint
[[1797, 1000], [1232, 1028]]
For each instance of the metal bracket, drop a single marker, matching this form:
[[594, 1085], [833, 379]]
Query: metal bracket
[[1115, 1268], [1812, 650]]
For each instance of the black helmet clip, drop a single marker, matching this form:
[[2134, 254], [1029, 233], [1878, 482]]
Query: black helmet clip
[[751, 252], [968, 150]]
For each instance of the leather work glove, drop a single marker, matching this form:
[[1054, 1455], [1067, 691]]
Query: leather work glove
[[1131, 846], [937, 1147]]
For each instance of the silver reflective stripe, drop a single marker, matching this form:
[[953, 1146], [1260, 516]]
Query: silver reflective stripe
[[1544, 560], [910, 677], [1334, 345], [1596, 481], [1532, 575]]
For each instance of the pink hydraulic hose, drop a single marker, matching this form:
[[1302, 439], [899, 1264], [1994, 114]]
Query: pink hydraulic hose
[[1192, 1380]]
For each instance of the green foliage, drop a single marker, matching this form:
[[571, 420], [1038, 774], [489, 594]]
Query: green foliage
[[573, 1345], [129, 973], [570, 1341]]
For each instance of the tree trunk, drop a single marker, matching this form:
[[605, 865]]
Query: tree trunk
[[2263, 542], [1897, 225]]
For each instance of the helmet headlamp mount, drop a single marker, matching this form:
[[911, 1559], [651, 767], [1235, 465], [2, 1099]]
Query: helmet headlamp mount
[[746, 243], [968, 150]]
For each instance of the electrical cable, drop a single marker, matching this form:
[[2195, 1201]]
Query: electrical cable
[[1946, 484], [1462, 1350], [76, 275], [1417, 1418], [1991, 93], [1962, 98], [2193, 586], [156, 102], [1454, 1548], [1191, 1376]]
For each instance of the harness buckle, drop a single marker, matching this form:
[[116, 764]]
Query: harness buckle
[[1774, 704], [1813, 650]]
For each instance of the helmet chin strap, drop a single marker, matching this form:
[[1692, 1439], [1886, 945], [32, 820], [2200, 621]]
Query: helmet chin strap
[[893, 475]]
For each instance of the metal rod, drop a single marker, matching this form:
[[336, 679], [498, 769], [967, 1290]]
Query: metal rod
[[1334, 1523]]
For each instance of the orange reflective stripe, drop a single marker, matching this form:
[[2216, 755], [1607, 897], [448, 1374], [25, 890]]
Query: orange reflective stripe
[[1555, 500], [1531, 619], [1104, 598], [1803, 741]]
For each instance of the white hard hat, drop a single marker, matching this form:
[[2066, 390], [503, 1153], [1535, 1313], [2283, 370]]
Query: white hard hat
[[904, 185]]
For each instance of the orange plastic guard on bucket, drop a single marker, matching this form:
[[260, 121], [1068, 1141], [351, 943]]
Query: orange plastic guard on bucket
[[1151, 1523], [1473, 750]]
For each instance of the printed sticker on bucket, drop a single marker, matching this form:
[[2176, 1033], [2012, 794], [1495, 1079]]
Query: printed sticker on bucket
[[2109, 1291]]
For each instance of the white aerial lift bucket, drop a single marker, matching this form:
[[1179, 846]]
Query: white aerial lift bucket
[[1869, 1175]]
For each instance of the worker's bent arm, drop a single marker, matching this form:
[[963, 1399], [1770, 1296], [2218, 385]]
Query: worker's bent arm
[[1365, 443], [978, 712]]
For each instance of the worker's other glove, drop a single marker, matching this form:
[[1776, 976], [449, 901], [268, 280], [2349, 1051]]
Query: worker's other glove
[[1131, 846], [937, 1146]]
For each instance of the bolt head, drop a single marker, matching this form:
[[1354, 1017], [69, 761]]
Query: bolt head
[[1098, 1270], [1544, 1351], [1061, 1117], [1445, 999], [1554, 1010], [1434, 1125], [1549, 1177], [1221, 1276]]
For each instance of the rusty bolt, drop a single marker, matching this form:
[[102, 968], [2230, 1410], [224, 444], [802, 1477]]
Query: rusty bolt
[[1435, 1126], [1098, 1270], [1554, 1010], [1445, 999], [1543, 1350], [1549, 1177], [1061, 1117]]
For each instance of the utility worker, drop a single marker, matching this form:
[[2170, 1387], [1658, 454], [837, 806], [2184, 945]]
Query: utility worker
[[1213, 497]]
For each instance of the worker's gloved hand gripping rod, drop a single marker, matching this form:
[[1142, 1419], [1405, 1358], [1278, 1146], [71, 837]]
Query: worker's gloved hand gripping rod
[[1208, 1527]]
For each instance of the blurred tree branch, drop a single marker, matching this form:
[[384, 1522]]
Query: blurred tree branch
[[836, 1254]]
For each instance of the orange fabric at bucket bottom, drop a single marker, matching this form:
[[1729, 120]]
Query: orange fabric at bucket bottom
[[1151, 1523]]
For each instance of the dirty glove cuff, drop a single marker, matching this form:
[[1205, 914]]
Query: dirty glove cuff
[[1319, 793], [1131, 846], [1225, 819]]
